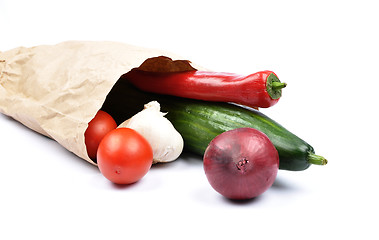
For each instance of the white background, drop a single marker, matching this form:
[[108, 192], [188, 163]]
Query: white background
[[326, 51]]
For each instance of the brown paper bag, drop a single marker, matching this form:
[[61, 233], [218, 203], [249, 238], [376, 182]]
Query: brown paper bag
[[57, 89]]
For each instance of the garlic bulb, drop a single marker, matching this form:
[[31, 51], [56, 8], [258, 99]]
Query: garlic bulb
[[166, 142]]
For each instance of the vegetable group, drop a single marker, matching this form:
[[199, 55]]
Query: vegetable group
[[124, 156], [241, 163], [200, 121], [214, 113]]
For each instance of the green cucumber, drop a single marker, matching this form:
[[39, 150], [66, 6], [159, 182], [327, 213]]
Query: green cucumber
[[199, 122]]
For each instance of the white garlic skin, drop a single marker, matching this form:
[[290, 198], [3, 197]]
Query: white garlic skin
[[165, 140]]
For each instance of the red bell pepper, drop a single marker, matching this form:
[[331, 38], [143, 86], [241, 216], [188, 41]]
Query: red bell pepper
[[261, 89]]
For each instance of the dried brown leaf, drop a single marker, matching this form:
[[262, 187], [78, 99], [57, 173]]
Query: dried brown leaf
[[164, 64]]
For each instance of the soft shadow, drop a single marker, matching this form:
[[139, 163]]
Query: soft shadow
[[52, 143], [188, 158], [208, 196], [27, 129], [281, 185], [124, 186], [242, 202], [78, 160], [191, 158], [162, 165]]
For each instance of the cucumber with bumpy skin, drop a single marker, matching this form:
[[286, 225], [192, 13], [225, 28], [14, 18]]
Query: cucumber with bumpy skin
[[199, 122]]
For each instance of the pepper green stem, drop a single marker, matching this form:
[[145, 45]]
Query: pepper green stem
[[278, 85], [316, 159], [274, 86]]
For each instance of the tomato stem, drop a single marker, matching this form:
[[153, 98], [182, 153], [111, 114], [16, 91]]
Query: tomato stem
[[316, 159]]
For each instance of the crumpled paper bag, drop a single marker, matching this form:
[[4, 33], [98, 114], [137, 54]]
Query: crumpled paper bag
[[56, 90]]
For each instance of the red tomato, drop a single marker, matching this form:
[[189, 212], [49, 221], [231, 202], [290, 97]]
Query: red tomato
[[124, 156], [98, 127]]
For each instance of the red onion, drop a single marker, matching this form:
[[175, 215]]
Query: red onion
[[241, 163]]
